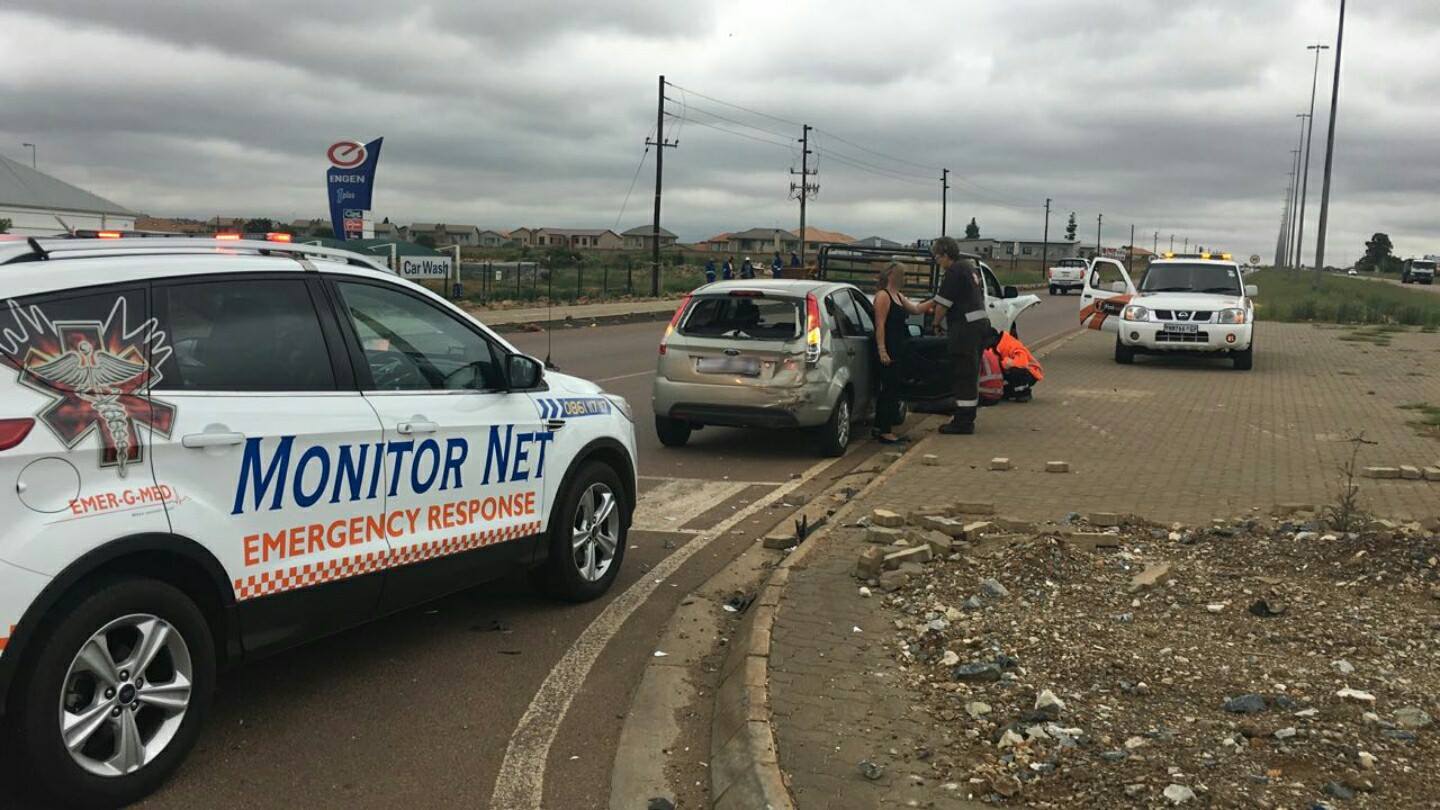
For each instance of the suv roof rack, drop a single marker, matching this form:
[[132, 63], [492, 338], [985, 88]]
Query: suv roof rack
[[69, 248]]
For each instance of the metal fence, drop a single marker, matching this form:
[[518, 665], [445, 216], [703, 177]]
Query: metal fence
[[486, 281]]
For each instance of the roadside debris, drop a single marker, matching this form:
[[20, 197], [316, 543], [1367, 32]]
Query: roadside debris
[[1264, 661]]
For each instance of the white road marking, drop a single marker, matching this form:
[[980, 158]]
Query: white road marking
[[520, 784], [680, 500], [625, 376]]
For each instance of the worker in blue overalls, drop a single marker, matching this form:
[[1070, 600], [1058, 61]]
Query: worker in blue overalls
[[710, 271]]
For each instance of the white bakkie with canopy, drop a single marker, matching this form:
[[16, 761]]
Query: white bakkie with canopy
[[1184, 303]]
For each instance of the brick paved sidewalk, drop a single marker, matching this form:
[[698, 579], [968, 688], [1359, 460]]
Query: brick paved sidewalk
[[1185, 440]]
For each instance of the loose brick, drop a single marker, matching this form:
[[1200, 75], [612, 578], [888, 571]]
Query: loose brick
[[972, 531], [1090, 541], [886, 518], [880, 534], [780, 540], [870, 563], [1431, 473], [1382, 472], [1104, 519], [1157, 574], [915, 554], [972, 508], [894, 580], [1057, 466], [938, 542], [930, 460], [1410, 473], [949, 527], [1000, 464]]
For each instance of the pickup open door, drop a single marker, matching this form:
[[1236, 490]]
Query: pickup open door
[[1107, 290]]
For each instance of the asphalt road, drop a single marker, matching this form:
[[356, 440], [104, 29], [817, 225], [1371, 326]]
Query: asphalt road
[[418, 709]]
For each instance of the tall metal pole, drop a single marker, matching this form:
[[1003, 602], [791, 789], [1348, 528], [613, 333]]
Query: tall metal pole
[[1045, 245], [659, 174], [944, 197], [1155, 248], [805, 186], [1309, 140], [1288, 231], [1099, 221], [1330, 147], [1295, 206], [1130, 252]]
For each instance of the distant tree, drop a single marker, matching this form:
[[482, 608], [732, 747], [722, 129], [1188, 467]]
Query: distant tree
[[1377, 254], [321, 231], [972, 231], [259, 225], [4, 226], [425, 240], [1070, 228]]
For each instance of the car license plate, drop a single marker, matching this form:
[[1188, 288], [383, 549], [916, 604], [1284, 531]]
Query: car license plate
[[744, 366], [1182, 328]]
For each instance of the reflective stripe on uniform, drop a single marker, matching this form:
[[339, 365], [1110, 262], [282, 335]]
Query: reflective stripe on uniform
[[943, 301], [967, 403], [977, 315]]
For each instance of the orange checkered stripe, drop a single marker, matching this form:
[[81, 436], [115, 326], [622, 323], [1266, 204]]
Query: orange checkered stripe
[[303, 576]]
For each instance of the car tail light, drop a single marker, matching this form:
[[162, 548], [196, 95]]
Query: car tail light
[[812, 329], [674, 322], [14, 431], [279, 237], [108, 235], [228, 237]]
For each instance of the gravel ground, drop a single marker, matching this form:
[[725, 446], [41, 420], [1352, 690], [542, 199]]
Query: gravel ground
[[1258, 662]]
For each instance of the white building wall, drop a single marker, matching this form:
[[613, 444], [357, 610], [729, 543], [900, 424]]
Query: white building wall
[[38, 222]]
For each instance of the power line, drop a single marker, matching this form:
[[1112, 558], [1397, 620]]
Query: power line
[[738, 107], [747, 136], [879, 153], [879, 172], [694, 109], [630, 190]]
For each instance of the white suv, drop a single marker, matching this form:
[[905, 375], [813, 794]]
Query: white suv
[[214, 450], [1184, 303]]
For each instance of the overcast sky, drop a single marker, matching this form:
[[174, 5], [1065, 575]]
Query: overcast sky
[[1176, 117]]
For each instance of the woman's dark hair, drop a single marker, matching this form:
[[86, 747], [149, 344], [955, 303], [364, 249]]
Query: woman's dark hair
[[946, 246]]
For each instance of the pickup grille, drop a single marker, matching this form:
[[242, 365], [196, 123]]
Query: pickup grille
[[1185, 315], [1182, 337]]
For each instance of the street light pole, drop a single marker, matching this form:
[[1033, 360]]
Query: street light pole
[[1330, 147], [1295, 201], [1309, 140], [32, 153]]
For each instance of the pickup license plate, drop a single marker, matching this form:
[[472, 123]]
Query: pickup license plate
[[744, 366], [1181, 328]]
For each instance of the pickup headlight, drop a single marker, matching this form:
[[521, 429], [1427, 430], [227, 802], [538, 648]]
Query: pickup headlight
[[622, 405], [1231, 316], [1135, 312]]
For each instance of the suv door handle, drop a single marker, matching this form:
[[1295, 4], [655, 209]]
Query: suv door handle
[[196, 441], [411, 428]]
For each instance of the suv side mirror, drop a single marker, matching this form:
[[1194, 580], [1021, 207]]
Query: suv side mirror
[[1251, 291], [522, 373], [1010, 292]]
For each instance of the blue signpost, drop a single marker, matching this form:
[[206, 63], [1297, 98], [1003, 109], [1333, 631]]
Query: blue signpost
[[349, 182]]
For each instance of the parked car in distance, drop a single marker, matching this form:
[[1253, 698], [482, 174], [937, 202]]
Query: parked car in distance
[[780, 354], [1066, 275]]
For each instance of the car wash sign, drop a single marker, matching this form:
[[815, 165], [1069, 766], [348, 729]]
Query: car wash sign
[[425, 266], [349, 182]]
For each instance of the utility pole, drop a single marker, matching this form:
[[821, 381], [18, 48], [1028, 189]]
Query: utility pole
[[1155, 248], [1099, 221], [944, 197], [1291, 188], [804, 188], [1130, 252], [1045, 245], [1295, 206], [1330, 147], [660, 147], [1309, 140]]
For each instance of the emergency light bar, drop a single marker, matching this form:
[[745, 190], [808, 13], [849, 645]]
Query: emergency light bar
[[1223, 257], [224, 236]]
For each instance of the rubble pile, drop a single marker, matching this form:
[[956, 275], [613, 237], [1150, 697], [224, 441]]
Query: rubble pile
[[1109, 662]]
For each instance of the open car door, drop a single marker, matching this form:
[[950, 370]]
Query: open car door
[[1107, 290]]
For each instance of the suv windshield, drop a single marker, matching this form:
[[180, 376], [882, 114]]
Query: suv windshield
[[747, 317], [1196, 278]]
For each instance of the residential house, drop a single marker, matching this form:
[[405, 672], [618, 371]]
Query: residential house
[[578, 238], [1005, 249], [443, 234], [312, 227], [492, 239], [642, 238], [876, 242], [719, 243], [389, 230], [757, 242], [815, 238], [148, 224]]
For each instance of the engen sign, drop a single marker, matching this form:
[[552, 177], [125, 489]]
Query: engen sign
[[348, 183]]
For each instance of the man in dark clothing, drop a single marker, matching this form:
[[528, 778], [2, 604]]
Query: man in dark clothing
[[710, 271], [726, 272], [776, 266], [747, 270], [794, 259], [960, 308]]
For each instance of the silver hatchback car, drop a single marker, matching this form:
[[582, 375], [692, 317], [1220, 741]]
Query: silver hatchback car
[[783, 353]]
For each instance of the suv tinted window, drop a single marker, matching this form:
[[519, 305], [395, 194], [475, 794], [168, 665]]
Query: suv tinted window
[[243, 335], [737, 316], [413, 345]]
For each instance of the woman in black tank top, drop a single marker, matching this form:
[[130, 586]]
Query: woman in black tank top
[[892, 341]]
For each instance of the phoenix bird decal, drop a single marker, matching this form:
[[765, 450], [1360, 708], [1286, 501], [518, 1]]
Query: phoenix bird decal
[[96, 374]]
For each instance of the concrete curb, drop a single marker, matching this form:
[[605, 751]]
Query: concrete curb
[[745, 769]]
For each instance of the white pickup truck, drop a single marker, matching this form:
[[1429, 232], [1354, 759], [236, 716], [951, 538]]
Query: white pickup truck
[[1065, 275]]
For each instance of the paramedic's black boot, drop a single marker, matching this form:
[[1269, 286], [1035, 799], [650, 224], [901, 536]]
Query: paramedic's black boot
[[962, 424]]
